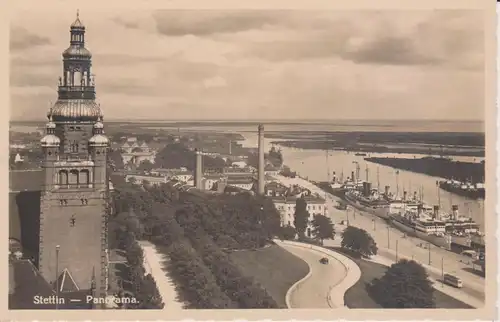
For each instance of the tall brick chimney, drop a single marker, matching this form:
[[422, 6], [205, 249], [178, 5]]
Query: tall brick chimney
[[198, 172], [261, 180]]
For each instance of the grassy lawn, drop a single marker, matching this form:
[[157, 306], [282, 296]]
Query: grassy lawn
[[357, 297], [273, 268]]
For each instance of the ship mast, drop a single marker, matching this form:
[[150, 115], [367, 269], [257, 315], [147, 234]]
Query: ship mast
[[397, 184], [327, 167], [378, 179], [439, 193]]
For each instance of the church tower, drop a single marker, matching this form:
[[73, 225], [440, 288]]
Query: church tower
[[74, 200]]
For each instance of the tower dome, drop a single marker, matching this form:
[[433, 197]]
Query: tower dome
[[98, 125], [76, 110], [99, 140], [50, 140]]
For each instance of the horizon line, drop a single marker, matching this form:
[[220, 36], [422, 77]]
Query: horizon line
[[327, 121]]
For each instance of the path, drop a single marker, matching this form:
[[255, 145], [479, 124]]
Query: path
[[386, 236], [153, 264], [327, 283]]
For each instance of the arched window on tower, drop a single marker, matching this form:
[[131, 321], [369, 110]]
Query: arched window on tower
[[74, 146], [73, 178], [63, 178], [84, 177]]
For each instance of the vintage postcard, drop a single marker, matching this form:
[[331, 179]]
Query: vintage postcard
[[294, 160]]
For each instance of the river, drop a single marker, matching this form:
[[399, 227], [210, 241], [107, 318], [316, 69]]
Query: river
[[315, 165]]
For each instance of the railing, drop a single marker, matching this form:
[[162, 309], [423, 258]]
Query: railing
[[73, 185], [76, 89]]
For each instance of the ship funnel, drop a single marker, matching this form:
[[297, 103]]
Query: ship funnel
[[353, 179], [367, 189], [414, 195], [435, 214], [454, 211], [419, 209], [405, 194], [261, 182], [386, 191], [198, 173]]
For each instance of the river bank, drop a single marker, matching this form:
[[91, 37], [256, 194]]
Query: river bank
[[437, 167], [395, 148]]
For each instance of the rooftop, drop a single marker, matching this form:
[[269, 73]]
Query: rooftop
[[25, 180], [291, 200]]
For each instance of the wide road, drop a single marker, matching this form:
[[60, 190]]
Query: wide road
[[313, 292], [386, 236], [153, 264]]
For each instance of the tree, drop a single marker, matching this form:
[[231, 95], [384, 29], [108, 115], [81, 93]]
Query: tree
[[287, 232], [115, 158], [323, 228], [301, 216], [145, 165], [359, 241], [404, 285]]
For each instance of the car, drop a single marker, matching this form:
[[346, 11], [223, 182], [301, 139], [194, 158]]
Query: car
[[324, 260]]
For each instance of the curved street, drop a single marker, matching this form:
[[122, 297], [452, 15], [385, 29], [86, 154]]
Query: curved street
[[388, 238], [313, 292]]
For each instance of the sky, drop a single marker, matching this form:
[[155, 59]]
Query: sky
[[258, 64]]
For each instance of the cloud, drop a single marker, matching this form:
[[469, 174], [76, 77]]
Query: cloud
[[391, 51], [21, 38], [203, 23], [232, 64], [216, 81]]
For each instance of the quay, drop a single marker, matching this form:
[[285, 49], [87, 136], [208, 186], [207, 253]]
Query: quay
[[389, 239]]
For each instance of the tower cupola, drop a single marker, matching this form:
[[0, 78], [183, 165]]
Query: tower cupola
[[99, 139], [50, 139], [76, 91]]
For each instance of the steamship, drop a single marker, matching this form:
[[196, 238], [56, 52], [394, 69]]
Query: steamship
[[464, 189], [367, 199], [442, 230]]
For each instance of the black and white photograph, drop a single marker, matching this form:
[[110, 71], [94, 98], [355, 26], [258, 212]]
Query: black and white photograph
[[177, 160]]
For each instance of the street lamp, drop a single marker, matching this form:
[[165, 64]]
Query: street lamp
[[442, 271], [397, 250], [57, 276], [429, 248], [260, 226], [388, 237]]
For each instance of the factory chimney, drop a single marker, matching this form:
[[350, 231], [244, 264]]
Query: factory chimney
[[198, 172], [454, 211], [261, 179]]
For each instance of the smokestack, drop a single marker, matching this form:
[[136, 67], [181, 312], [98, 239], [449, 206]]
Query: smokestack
[[198, 172], [261, 182], [454, 211], [367, 187], [405, 194], [386, 191], [436, 212], [414, 195], [353, 179], [230, 146], [419, 209]]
